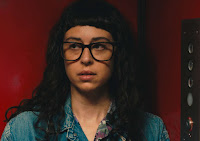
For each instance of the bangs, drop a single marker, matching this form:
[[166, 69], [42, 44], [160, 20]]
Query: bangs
[[96, 21], [93, 13]]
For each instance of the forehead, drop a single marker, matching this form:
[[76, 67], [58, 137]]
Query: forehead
[[86, 33]]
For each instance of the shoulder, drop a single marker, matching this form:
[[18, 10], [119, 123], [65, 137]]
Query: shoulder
[[23, 120], [20, 126], [154, 128], [151, 119]]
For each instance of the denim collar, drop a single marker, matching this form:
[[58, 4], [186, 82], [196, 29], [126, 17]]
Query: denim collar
[[69, 118], [69, 121]]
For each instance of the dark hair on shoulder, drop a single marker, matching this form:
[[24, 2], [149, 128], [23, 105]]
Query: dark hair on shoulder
[[50, 95]]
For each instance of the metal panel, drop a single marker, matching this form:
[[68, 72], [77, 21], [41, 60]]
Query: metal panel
[[190, 80]]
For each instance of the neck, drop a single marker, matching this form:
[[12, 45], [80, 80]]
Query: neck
[[92, 106]]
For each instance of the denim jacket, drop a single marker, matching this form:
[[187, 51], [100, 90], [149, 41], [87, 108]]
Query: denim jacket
[[21, 128]]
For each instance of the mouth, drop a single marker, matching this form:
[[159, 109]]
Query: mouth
[[86, 75]]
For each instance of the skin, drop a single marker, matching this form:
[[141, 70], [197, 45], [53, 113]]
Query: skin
[[89, 95]]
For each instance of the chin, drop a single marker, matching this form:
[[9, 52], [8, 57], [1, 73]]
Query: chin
[[89, 88]]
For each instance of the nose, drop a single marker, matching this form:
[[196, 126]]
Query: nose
[[86, 57]]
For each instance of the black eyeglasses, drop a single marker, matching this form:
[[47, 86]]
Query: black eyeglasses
[[100, 51]]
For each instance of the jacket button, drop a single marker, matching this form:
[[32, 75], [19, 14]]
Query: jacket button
[[75, 134]]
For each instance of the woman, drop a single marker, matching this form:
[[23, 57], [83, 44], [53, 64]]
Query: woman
[[88, 91]]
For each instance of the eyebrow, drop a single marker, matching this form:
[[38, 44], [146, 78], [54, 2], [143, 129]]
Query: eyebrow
[[93, 39], [100, 38], [72, 38]]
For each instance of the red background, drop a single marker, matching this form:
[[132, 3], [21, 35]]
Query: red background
[[164, 45], [24, 28]]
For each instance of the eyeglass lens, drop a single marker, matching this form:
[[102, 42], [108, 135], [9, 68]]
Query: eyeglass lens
[[100, 51]]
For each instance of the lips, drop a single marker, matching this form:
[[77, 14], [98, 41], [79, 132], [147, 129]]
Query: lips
[[86, 75]]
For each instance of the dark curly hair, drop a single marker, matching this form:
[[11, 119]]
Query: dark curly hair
[[50, 95]]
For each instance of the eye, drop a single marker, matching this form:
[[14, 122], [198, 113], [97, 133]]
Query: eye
[[74, 46], [99, 46]]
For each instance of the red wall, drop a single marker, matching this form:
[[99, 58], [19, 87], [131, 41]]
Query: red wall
[[24, 28], [164, 45]]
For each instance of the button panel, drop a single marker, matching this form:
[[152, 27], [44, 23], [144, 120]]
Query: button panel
[[190, 80]]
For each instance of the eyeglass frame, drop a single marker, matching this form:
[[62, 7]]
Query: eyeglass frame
[[89, 47]]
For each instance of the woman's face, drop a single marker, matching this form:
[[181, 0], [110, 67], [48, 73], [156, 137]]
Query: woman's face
[[87, 74]]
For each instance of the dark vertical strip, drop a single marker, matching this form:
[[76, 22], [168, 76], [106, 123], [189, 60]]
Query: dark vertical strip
[[141, 21], [142, 77]]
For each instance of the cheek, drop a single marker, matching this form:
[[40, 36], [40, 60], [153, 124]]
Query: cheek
[[69, 69], [107, 70]]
